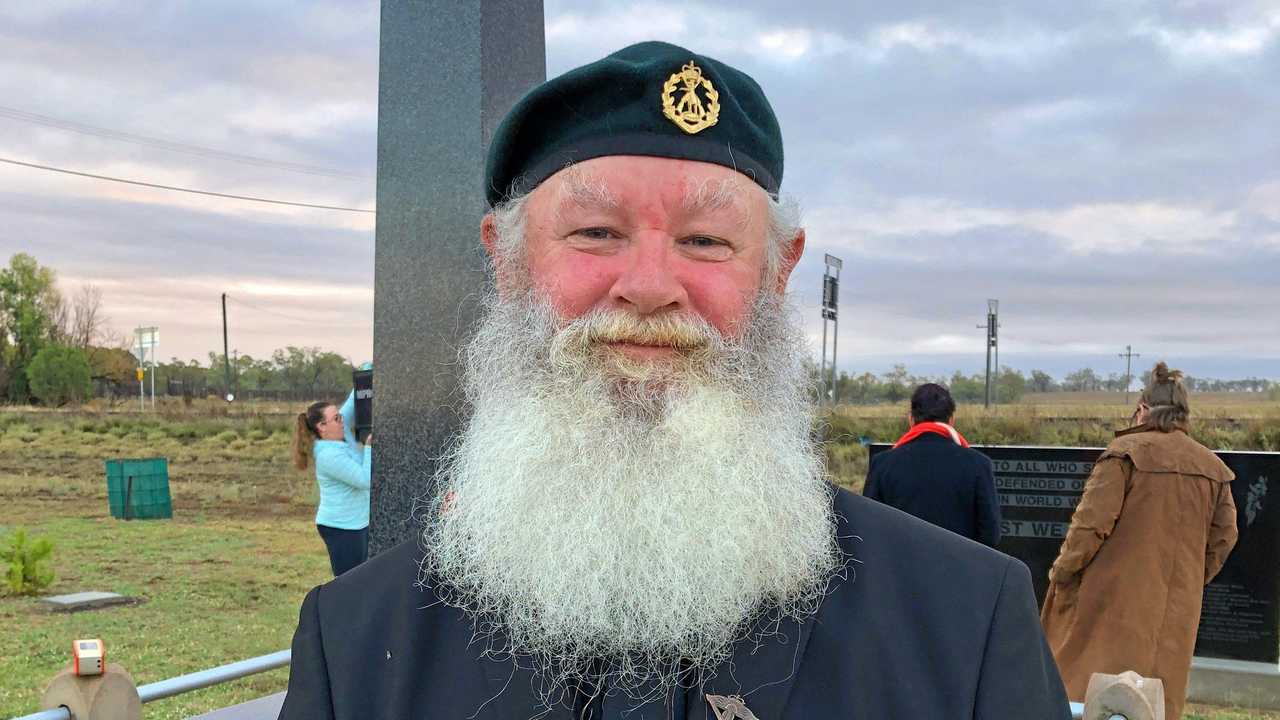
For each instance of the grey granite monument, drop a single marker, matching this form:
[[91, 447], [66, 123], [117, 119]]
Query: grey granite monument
[[449, 71]]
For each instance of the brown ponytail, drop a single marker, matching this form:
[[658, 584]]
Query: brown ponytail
[[1168, 407], [305, 433]]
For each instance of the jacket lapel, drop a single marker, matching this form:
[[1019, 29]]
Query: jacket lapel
[[761, 671], [510, 692]]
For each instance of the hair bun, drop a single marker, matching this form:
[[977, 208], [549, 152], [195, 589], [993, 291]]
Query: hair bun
[[1161, 374]]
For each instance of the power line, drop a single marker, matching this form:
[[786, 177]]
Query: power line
[[185, 190], [295, 318], [85, 129]]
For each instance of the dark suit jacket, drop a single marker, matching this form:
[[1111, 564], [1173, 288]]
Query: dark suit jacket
[[927, 625], [940, 482]]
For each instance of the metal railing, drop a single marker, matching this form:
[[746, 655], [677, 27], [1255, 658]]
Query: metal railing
[[253, 666], [188, 682]]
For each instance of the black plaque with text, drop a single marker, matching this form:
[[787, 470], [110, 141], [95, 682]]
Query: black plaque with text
[[1040, 486]]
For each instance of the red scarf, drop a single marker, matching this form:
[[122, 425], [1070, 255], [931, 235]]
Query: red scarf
[[937, 428]]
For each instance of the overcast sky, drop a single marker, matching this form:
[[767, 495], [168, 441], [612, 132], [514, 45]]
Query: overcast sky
[[1110, 171]]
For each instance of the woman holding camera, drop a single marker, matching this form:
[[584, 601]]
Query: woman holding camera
[[342, 472]]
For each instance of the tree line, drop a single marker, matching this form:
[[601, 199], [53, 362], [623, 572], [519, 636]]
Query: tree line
[[57, 349], [1009, 385], [291, 372], [51, 345]]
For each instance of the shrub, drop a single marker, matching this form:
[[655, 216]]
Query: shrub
[[59, 375], [29, 570], [183, 431]]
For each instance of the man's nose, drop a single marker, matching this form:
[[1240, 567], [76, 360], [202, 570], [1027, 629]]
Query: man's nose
[[648, 283]]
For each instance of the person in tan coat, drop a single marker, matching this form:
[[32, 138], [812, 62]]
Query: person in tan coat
[[1154, 525]]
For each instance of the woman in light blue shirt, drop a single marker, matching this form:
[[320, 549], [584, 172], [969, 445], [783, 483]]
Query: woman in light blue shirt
[[342, 471]]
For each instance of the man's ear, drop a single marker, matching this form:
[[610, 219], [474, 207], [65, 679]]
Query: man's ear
[[489, 239], [489, 236], [791, 253]]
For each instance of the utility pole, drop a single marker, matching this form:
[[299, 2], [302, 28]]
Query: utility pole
[[993, 344], [830, 313], [226, 361], [1128, 356]]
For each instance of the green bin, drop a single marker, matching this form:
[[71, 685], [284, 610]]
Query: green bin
[[138, 489]]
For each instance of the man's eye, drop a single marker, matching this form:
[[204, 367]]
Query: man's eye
[[595, 233], [702, 241]]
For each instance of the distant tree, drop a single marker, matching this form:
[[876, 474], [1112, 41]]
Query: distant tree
[[970, 389], [110, 364], [1082, 380], [1012, 385], [896, 384], [311, 371], [58, 375], [1042, 382], [1115, 382], [86, 320], [860, 389], [32, 315]]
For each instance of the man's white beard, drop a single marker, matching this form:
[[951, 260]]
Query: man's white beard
[[616, 522]]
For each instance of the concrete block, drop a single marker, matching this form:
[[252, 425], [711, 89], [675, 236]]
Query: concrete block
[[75, 602], [1234, 682]]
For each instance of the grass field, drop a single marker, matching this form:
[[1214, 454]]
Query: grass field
[[222, 581]]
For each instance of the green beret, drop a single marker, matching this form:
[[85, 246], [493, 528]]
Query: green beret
[[652, 99]]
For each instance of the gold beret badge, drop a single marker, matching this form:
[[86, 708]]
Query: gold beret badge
[[690, 113]]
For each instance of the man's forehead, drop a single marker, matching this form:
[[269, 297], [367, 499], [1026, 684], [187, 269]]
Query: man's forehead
[[582, 186]]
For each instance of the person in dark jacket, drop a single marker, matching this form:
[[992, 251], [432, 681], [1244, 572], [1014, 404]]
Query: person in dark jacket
[[635, 522], [933, 474]]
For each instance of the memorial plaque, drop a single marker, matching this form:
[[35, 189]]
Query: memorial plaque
[[1039, 488]]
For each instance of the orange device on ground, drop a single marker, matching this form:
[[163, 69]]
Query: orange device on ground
[[89, 657]]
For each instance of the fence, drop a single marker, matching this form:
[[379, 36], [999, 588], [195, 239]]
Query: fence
[[187, 683], [253, 666], [128, 391]]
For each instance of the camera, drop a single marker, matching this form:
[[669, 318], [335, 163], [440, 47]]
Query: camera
[[362, 380]]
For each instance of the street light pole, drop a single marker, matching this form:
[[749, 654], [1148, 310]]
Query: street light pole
[[993, 343], [830, 312]]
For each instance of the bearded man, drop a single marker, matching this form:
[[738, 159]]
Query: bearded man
[[635, 521]]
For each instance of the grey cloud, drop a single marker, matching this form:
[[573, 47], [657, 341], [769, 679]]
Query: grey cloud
[[122, 239], [1131, 115], [1006, 107]]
